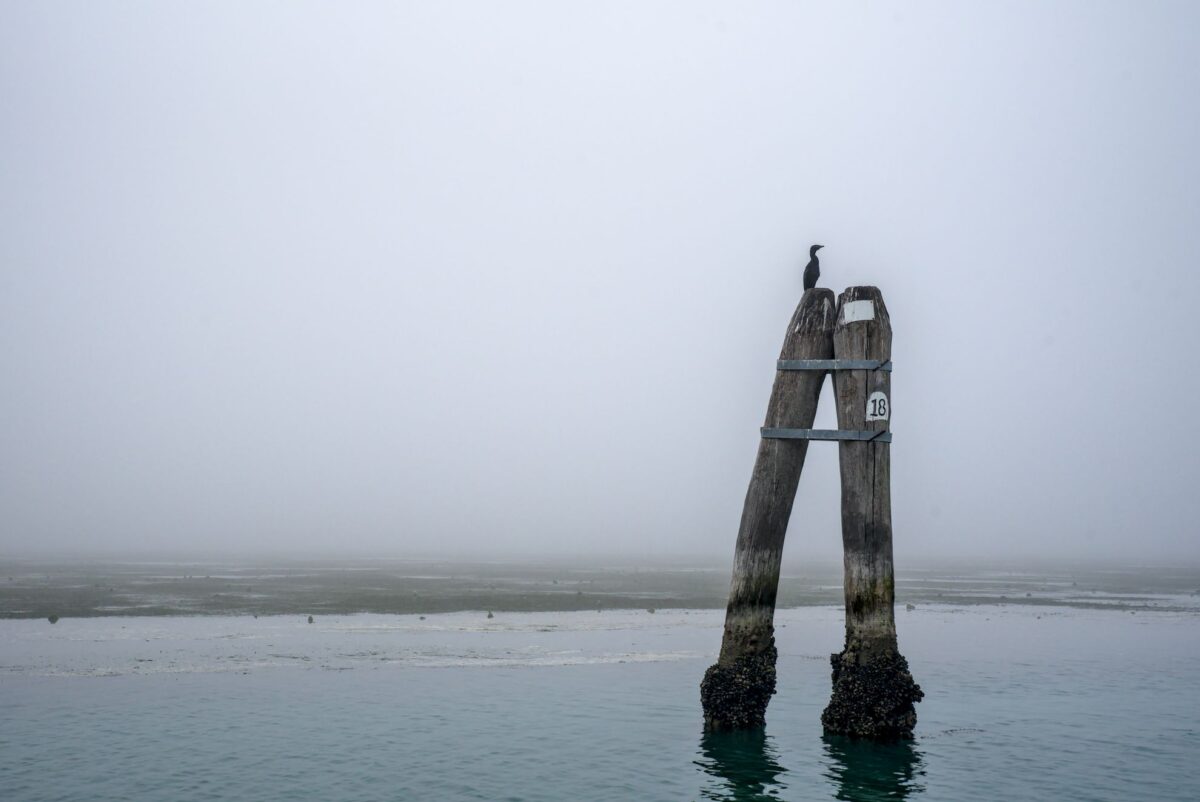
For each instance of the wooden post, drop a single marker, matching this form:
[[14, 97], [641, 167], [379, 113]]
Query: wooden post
[[873, 691], [735, 691]]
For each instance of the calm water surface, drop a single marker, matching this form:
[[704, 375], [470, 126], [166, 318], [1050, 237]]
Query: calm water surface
[[1022, 703]]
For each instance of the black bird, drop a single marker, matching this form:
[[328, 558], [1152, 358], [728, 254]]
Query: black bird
[[813, 271]]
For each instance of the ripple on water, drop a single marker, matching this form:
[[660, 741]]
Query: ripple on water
[[1092, 708]]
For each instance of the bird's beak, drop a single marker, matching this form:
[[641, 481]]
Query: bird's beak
[[819, 247]]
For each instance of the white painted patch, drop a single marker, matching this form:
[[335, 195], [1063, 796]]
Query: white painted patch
[[858, 310], [878, 407]]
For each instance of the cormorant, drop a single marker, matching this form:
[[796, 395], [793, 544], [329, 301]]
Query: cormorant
[[813, 271]]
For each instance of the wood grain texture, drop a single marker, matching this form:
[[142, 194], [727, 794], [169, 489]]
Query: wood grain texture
[[866, 476], [873, 691], [736, 690], [772, 491]]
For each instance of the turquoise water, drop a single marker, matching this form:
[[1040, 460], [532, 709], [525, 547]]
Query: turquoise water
[[1021, 703]]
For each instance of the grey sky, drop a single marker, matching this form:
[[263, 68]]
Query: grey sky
[[510, 277]]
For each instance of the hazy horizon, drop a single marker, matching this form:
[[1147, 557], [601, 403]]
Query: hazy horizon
[[406, 279], [795, 560]]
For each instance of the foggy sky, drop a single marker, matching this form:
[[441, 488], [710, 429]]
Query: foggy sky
[[511, 278]]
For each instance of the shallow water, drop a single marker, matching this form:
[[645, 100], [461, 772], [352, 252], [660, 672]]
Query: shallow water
[[1021, 703], [30, 589]]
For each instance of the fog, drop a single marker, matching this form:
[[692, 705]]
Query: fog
[[511, 279]]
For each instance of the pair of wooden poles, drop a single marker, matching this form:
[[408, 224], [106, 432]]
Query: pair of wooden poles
[[873, 691]]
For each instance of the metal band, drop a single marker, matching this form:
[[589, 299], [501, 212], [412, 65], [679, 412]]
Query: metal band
[[834, 364], [825, 434]]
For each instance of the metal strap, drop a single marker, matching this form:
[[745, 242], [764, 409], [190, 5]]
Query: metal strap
[[834, 364], [826, 434]]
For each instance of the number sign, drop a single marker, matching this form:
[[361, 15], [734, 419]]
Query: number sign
[[877, 407]]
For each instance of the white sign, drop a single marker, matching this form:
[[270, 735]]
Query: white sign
[[878, 407], [858, 310]]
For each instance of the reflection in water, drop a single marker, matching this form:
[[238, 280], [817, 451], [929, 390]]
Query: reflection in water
[[864, 771], [744, 765]]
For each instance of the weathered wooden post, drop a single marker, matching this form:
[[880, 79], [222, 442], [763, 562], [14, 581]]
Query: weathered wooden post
[[873, 691], [735, 691]]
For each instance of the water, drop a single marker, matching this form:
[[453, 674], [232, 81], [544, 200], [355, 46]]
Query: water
[[1022, 702]]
